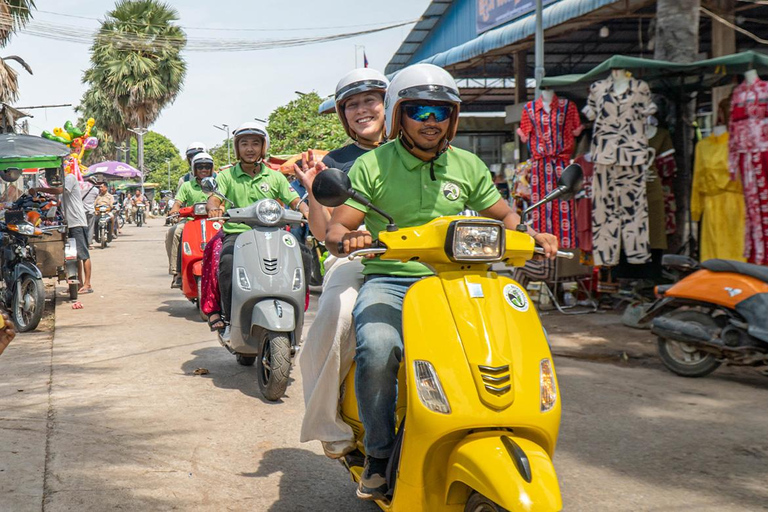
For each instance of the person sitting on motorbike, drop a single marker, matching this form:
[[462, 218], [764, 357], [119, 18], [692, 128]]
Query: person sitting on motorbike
[[247, 182], [416, 177], [105, 199], [193, 149], [329, 348], [136, 199], [188, 194]]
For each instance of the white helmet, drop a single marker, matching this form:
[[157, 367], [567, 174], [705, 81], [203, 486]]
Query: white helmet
[[201, 158], [355, 82], [193, 149], [252, 128], [421, 82]]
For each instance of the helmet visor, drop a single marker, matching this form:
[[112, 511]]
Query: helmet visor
[[358, 87], [422, 113], [203, 166], [430, 92], [192, 152]]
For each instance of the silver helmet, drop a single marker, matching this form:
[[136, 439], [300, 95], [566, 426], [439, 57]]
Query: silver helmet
[[252, 128], [201, 158], [425, 82], [193, 149], [355, 82]]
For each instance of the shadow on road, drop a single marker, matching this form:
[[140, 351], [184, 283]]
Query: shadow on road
[[309, 482], [180, 309], [226, 373], [702, 437]]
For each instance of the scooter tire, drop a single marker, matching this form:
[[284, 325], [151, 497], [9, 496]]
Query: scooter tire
[[274, 364], [479, 503], [73, 288], [28, 322], [245, 360], [706, 364], [103, 241]]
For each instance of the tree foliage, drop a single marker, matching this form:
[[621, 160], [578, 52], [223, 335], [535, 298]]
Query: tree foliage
[[14, 14], [297, 126], [219, 154], [158, 150]]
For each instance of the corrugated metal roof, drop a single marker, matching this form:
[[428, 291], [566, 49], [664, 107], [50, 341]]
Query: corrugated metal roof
[[495, 39], [419, 33]]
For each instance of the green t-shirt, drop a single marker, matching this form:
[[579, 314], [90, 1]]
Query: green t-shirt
[[190, 193], [402, 185], [243, 190]]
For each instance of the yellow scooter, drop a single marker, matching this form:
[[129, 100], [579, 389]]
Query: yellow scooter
[[478, 412]]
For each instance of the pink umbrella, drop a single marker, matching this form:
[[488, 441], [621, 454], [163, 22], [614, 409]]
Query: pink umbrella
[[120, 169]]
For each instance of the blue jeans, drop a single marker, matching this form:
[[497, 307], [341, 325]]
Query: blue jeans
[[378, 316]]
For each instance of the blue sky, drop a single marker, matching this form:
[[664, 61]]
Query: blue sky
[[220, 87]]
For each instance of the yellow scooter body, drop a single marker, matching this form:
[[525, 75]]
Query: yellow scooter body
[[487, 351]]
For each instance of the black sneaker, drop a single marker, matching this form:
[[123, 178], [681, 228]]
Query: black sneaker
[[176, 283], [373, 484]]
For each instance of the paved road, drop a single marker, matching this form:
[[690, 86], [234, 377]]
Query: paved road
[[110, 415]]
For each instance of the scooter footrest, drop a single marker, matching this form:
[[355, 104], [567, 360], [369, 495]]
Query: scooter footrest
[[354, 459]]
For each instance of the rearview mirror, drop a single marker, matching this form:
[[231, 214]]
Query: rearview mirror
[[11, 174], [571, 181], [331, 188], [209, 185]]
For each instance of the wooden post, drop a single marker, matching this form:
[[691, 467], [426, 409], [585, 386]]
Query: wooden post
[[723, 43]]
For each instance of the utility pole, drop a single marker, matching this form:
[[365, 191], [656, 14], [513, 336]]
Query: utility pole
[[140, 145], [539, 47], [225, 128], [168, 161]]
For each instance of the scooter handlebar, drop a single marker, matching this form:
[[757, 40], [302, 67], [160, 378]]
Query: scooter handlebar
[[560, 254]]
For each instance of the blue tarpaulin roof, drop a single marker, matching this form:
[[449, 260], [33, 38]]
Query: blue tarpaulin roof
[[518, 30]]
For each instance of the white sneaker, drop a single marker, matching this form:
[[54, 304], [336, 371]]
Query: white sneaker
[[338, 449]]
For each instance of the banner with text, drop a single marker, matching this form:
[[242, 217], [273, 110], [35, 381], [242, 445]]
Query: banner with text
[[492, 13]]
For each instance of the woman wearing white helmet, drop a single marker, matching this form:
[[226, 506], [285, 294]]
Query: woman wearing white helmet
[[330, 346], [416, 177]]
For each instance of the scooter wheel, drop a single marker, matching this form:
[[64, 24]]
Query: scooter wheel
[[479, 503], [203, 316], [274, 364], [28, 303], [684, 359], [245, 360]]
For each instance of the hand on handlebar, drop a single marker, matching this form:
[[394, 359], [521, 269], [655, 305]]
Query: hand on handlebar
[[216, 212], [548, 243], [354, 241]]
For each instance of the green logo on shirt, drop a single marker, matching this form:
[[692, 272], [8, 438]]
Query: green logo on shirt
[[264, 187], [451, 191]]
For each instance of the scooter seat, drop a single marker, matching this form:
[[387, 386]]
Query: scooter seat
[[737, 267], [679, 261]]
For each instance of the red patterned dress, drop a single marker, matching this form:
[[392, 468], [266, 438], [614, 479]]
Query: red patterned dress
[[748, 159], [551, 139]]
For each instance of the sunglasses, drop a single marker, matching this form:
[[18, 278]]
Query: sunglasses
[[204, 167], [422, 112]]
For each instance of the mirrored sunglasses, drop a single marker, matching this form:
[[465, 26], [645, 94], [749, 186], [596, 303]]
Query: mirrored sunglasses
[[422, 112], [204, 167]]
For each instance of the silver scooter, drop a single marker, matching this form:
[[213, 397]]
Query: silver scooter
[[268, 291]]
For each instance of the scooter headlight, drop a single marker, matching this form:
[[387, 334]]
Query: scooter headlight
[[269, 212], [475, 240], [548, 385], [25, 229], [200, 209], [297, 281], [429, 389], [242, 279]]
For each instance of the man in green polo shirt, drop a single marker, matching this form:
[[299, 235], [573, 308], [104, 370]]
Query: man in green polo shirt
[[188, 194], [416, 178], [244, 184]]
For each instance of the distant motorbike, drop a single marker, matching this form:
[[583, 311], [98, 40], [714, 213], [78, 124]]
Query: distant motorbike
[[24, 292], [196, 235], [140, 216], [269, 292], [119, 215], [103, 233], [716, 313]]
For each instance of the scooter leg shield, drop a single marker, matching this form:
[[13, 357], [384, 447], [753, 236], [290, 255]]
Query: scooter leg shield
[[274, 315], [514, 472]]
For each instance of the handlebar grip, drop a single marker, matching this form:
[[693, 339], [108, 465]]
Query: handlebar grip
[[374, 245]]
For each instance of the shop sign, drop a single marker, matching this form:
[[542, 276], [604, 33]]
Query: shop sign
[[492, 13]]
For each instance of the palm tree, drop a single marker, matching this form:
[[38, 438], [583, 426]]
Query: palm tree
[[9, 84], [14, 14], [136, 59]]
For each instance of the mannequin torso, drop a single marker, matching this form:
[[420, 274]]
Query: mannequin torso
[[546, 99], [719, 130], [751, 76]]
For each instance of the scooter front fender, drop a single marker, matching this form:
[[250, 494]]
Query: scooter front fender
[[514, 472], [274, 315], [26, 267]]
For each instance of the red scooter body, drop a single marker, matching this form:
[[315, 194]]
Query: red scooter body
[[197, 233]]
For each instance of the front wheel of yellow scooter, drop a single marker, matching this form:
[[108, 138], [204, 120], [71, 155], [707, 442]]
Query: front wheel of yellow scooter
[[479, 503]]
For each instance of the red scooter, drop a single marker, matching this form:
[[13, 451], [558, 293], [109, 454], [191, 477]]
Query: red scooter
[[197, 233]]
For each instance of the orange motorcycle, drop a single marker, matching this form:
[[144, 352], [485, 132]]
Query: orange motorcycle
[[717, 313]]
